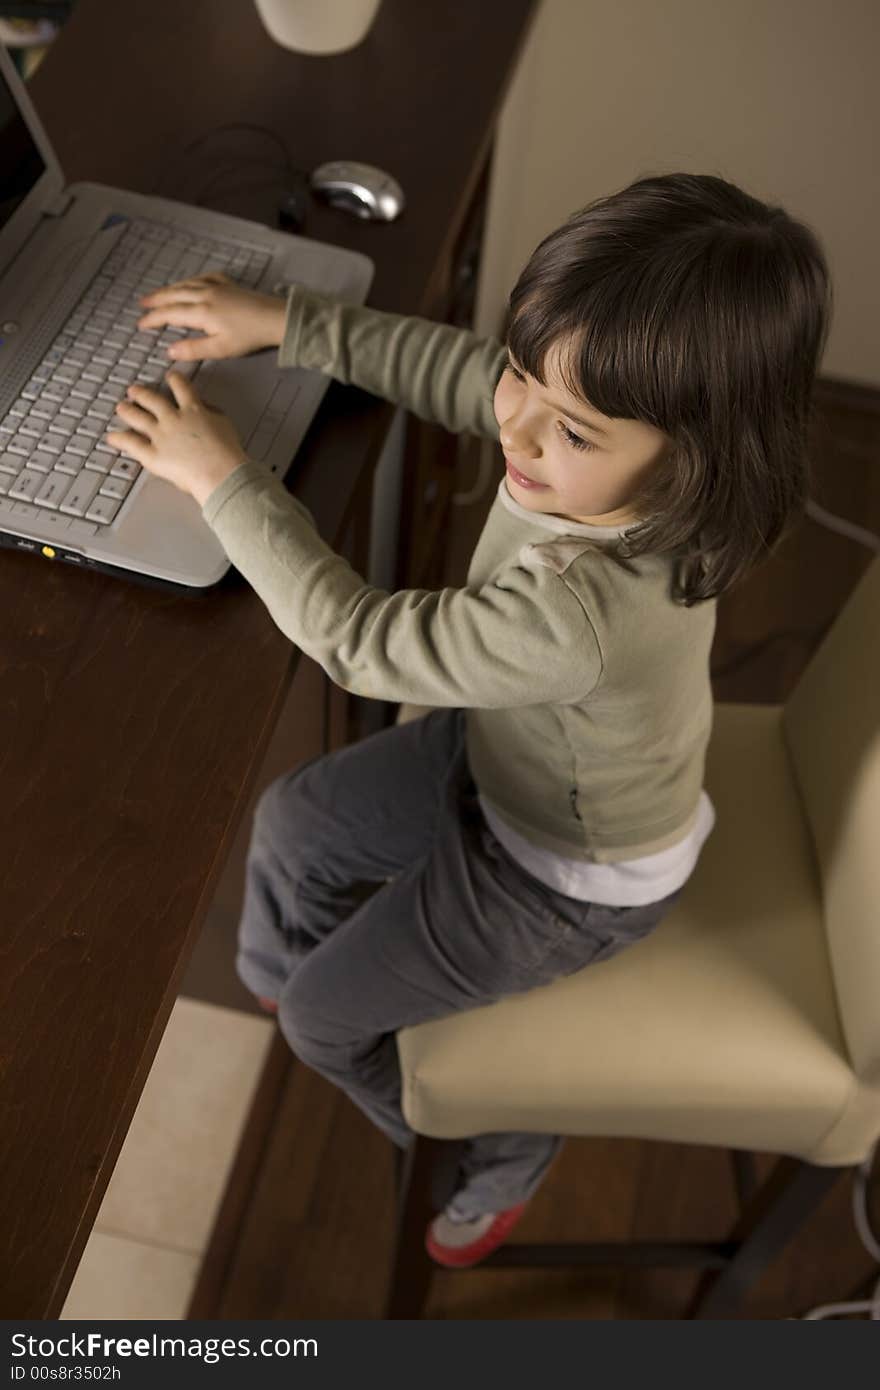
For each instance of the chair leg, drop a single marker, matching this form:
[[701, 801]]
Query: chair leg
[[771, 1219], [425, 1176], [745, 1176]]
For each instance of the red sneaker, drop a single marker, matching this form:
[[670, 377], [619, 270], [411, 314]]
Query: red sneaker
[[457, 1244]]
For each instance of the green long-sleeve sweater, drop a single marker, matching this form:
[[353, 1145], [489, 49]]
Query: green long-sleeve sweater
[[586, 686]]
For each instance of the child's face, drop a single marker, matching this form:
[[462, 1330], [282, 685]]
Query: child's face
[[585, 475]]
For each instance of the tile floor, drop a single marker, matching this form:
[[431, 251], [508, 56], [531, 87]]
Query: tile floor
[[142, 1258]]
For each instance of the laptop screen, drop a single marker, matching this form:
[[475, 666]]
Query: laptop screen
[[21, 164]]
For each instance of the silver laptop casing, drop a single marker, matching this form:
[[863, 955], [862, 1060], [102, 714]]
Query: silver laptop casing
[[50, 250]]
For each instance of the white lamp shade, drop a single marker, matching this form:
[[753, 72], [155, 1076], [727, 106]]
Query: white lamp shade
[[317, 26]]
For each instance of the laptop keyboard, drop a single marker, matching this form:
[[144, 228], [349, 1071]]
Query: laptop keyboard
[[53, 453]]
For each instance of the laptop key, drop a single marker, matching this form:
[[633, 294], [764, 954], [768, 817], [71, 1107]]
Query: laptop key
[[140, 258], [117, 487], [125, 468], [53, 490], [69, 463], [26, 485], [42, 463], [82, 490], [103, 508]]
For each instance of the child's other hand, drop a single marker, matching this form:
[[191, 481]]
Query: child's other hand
[[185, 441], [232, 320]]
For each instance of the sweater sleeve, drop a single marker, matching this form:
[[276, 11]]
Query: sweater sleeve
[[442, 374], [522, 639]]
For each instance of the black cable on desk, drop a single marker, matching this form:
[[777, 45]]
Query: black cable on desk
[[291, 181]]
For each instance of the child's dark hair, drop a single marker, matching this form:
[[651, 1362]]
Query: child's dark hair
[[691, 306]]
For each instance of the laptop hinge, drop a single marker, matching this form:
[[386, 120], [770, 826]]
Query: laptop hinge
[[59, 207]]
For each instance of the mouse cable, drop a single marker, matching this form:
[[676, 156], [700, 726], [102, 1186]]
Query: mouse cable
[[289, 180], [193, 144]]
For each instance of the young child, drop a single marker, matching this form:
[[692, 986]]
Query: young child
[[652, 403]]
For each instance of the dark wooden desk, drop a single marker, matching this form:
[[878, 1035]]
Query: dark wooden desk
[[135, 723]]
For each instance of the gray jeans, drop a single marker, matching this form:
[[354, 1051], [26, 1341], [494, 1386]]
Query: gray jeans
[[454, 923]]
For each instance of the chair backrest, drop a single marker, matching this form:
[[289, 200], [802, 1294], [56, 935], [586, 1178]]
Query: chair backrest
[[831, 725]]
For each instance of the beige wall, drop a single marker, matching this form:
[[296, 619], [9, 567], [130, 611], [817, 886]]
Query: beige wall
[[778, 96]]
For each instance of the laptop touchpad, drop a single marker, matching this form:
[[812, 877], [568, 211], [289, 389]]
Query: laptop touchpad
[[241, 387]]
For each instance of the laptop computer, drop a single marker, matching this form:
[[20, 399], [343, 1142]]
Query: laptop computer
[[74, 261]]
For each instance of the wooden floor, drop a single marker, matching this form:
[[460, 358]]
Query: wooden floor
[[308, 1219]]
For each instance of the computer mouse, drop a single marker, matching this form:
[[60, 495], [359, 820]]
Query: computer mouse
[[361, 189]]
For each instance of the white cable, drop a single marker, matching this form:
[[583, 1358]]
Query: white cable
[[868, 1239], [845, 528], [860, 1204]]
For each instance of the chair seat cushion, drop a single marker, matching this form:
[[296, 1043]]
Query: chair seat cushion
[[720, 1028]]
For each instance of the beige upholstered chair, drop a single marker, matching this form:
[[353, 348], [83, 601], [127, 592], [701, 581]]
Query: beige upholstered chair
[[750, 1019]]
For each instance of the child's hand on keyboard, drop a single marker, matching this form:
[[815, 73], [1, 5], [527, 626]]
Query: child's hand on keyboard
[[183, 440], [231, 320]]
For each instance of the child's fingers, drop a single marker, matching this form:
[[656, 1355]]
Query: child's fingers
[[135, 446], [137, 417], [176, 315], [197, 349], [149, 401], [175, 294], [181, 390], [199, 284]]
